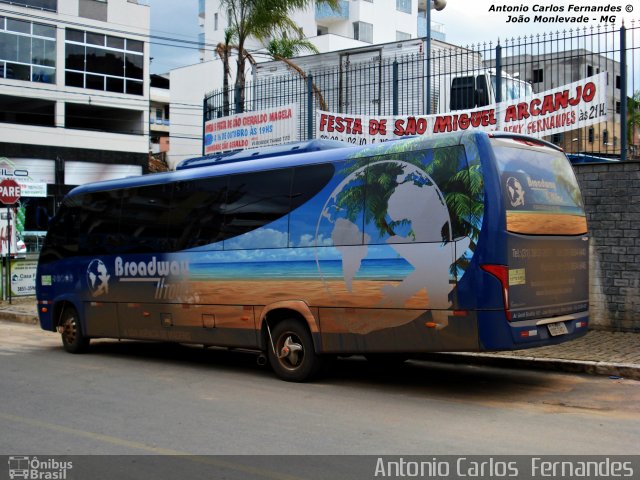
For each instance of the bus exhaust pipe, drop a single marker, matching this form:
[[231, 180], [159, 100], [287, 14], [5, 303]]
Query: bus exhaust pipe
[[261, 360]]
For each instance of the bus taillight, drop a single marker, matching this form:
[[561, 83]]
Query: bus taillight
[[501, 272]]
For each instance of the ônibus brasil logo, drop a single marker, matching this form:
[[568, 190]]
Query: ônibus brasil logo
[[38, 469]]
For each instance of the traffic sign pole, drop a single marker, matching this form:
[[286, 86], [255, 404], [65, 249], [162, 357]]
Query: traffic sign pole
[[9, 236], [10, 192]]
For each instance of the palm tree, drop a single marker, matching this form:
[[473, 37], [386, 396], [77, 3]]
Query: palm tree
[[223, 50], [284, 48], [262, 19]]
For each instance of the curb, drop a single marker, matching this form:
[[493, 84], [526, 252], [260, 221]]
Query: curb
[[624, 370], [18, 317]]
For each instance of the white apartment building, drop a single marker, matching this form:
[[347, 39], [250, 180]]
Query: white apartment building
[[357, 23], [74, 94], [159, 120]]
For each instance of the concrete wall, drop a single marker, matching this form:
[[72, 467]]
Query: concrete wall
[[611, 194]]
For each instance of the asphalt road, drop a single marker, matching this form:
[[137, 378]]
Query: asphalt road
[[139, 398]]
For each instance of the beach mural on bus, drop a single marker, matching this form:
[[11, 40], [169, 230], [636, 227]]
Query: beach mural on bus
[[392, 228]]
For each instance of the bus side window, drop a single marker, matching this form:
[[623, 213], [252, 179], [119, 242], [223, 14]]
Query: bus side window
[[143, 223], [255, 200], [196, 214], [308, 181], [63, 235], [99, 223]]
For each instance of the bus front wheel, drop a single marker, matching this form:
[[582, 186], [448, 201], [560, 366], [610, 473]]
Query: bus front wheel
[[73, 339], [294, 359]]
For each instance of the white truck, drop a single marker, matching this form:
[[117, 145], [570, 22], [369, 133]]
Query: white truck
[[475, 89], [358, 80]]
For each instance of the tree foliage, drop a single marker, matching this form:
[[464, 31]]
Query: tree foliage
[[263, 20]]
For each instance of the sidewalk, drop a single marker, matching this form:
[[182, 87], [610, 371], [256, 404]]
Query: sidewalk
[[598, 352]]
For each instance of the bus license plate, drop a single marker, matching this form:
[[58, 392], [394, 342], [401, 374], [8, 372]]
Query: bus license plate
[[556, 329]]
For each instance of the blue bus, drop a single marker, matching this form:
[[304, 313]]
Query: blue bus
[[461, 242]]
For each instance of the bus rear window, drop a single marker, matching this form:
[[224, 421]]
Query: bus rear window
[[540, 191]]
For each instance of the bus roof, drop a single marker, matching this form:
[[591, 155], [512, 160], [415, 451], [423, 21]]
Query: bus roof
[[272, 161], [264, 152]]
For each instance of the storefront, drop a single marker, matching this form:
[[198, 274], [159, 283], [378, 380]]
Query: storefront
[[44, 183]]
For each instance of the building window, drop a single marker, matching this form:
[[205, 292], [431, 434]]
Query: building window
[[363, 31], [605, 137], [27, 51], [589, 70], [618, 82], [215, 22], [104, 62], [591, 135], [402, 36], [50, 5], [617, 107], [403, 6], [538, 77]]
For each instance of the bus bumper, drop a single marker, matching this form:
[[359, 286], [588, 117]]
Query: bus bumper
[[496, 333]]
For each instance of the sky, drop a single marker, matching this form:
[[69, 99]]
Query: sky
[[465, 22]]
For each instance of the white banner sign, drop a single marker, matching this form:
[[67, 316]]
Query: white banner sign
[[29, 189], [23, 278], [254, 129], [576, 105]]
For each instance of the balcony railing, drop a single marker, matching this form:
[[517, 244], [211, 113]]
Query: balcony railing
[[48, 5]]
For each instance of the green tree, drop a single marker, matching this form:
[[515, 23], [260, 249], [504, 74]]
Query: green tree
[[262, 19], [633, 116]]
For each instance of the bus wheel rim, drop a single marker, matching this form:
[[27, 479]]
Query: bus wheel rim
[[70, 329], [290, 351]]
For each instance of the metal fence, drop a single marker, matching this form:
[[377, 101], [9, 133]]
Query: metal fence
[[397, 85]]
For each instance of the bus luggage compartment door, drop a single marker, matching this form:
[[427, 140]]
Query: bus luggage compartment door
[[101, 319]]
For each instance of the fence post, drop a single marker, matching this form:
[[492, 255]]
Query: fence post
[[498, 72], [395, 88], [204, 122], [310, 132], [623, 93]]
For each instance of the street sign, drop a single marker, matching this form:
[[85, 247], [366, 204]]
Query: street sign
[[9, 191]]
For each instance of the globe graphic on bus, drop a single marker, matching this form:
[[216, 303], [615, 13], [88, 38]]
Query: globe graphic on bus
[[404, 245], [98, 278]]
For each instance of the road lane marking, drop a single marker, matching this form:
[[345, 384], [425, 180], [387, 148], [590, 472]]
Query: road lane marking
[[207, 460]]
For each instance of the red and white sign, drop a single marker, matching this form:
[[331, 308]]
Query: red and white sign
[[570, 107], [10, 191], [273, 126]]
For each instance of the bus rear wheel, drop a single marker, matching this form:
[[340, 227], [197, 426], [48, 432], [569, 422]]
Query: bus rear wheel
[[294, 359], [73, 339]]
